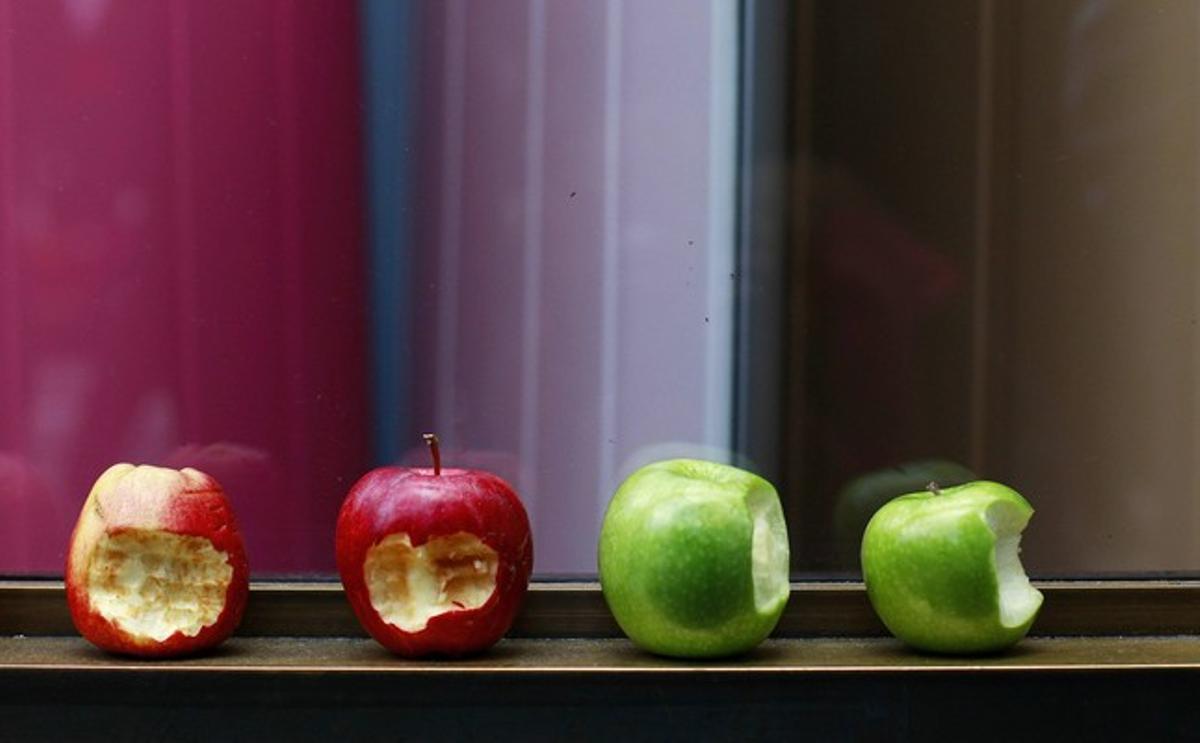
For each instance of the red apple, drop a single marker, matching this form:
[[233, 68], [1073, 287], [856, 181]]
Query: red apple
[[434, 562], [156, 565]]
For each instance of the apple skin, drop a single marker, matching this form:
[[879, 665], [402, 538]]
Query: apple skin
[[184, 502], [861, 497], [425, 505], [675, 559], [928, 562]]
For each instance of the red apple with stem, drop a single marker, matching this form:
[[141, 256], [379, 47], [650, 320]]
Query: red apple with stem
[[156, 565], [434, 561]]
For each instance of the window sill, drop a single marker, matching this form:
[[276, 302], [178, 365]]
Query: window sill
[[1109, 657], [577, 610]]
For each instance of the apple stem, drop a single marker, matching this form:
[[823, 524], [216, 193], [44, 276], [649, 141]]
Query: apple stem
[[934, 488], [432, 440]]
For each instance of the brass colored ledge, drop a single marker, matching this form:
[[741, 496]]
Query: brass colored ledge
[[290, 656], [325, 688]]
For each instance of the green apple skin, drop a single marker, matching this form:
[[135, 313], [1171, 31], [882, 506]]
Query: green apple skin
[[928, 561], [860, 498], [675, 559]]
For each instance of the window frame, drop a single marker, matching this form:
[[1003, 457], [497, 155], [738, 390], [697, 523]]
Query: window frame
[[836, 687], [576, 609]]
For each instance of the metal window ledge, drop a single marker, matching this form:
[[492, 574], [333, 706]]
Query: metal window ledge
[[323, 685]]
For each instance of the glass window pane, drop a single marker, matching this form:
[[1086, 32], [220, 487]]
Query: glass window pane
[[822, 240], [278, 241]]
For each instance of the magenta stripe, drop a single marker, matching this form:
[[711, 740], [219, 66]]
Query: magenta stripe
[[292, 259], [184, 249], [12, 421]]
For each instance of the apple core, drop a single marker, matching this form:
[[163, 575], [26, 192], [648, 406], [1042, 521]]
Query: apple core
[[410, 585], [154, 584]]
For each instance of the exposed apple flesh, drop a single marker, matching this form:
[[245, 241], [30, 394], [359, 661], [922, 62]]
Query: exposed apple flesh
[[156, 565], [410, 585], [769, 552], [1019, 600], [154, 584]]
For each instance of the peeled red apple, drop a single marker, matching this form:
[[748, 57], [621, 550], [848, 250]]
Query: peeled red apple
[[434, 561], [156, 565]]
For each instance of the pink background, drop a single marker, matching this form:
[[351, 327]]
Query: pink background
[[571, 215], [180, 261], [184, 266]]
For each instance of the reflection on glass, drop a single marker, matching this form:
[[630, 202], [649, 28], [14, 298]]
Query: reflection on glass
[[860, 498], [1003, 266]]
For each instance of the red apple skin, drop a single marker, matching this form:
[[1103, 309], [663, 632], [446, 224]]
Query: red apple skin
[[191, 504], [424, 505]]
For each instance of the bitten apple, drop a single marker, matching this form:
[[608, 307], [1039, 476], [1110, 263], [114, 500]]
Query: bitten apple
[[434, 561], [156, 565], [943, 568], [694, 558]]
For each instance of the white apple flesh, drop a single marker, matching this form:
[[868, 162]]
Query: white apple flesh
[[410, 585], [154, 584], [1019, 600]]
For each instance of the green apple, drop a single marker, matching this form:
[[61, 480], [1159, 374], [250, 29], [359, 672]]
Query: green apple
[[860, 498], [694, 558], [943, 568]]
